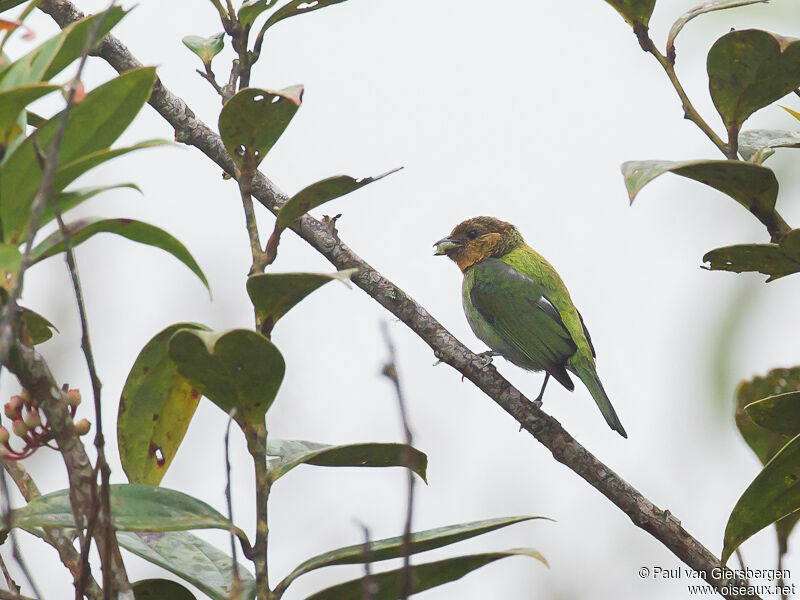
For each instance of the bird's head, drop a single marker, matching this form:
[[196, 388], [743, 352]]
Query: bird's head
[[477, 239]]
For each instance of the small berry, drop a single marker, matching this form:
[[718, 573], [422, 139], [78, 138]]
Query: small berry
[[25, 395], [19, 428], [74, 397], [32, 419], [82, 427], [13, 406], [4, 451], [4, 435]]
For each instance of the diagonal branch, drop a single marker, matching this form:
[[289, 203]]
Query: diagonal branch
[[547, 430]]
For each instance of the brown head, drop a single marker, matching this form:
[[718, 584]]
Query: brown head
[[477, 239]]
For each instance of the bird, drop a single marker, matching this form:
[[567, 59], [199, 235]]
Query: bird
[[517, 304]]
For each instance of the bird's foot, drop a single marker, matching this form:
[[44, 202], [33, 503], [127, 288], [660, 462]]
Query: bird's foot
[[486, 357]]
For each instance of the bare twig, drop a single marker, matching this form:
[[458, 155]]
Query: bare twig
[[10, 583], [368, 585], [390, 371], [5, 595], [257, 447], [547, 430], [209, 76], [740, 558], [15, 551], [236, 585]]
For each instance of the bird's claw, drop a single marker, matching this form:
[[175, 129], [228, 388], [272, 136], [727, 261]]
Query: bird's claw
[[486, 358]]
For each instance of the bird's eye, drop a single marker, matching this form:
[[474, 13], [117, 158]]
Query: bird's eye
[[472, 234]]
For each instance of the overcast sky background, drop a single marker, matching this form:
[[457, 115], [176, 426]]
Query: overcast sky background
[[522, 111]]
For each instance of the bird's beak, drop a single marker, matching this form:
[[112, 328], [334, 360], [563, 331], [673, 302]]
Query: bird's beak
[[445, 244]]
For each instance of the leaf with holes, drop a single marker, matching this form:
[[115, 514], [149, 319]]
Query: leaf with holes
[[275, 294], [251, 10], [155, 409], [389, 584], [138, 231], [750, 69], [252, 121], [635, 12], [701, 9], [757, 145], [190, 558], [289, 454], [753, 186], [205, 48], [773, 495], [779, 413], [51, 57], [134, 507], [92, 126], [421, 541], [775, 260], [160, 589], [12, 103], [763, 442], [299, 7], [238, 369]]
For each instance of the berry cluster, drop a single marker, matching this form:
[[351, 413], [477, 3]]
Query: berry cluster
[[27, 424]]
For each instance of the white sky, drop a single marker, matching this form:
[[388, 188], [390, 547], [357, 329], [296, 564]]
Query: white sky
[[523, 111]]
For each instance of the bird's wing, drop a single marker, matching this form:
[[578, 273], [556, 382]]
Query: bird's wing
[[586, 333], [515, 306]]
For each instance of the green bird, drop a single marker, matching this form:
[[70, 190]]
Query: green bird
[[516, 303]]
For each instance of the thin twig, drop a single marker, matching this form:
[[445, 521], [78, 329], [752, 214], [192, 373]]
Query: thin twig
[[259, 259], [740, 558], [12, 535], [257, 447], [547, 430], [236, 584], [209, 76], [368, 586], [5, 595], [390, 371], [10, 583]]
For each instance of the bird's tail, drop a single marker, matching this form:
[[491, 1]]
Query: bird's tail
[[592, 383]]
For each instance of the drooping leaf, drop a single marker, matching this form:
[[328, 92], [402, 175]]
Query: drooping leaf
[[299, 7], [39, 328], [155, 409], [238, 369], [753, 186], [13, 102], [756, 145], [701, 9], [389, 584], [750, 69], [68, 200], [779, 413], [190, 558], [138, 231], [251, 10], [291, 453], [275, 294], [763, 442], [252, 121], [205, 48], [160, 589], [421, 541], [635, 12], [775, 260], [51, 57], [134, 507], [772, 495], [92, 126]]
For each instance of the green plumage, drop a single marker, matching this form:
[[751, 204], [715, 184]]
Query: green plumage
[[517, 304]]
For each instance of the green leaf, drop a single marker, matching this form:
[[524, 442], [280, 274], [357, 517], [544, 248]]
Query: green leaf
[[7, 4], [205, 48], [69, 200], [92, 126], [775, 260], [750, 69], [138, 231], [155, 409], [250, 11], [756, 145], [772, 495], [275, 294], [51, 57], [421, 541], [10, 260], [701, 9], [252, 121], [134, 507], [190, 558], [13, 102], [291, 453], [300, 7], [779, 413], [238, 369], [389, 584], [753, 186], [635, 12], [160, 589], [39, 328]]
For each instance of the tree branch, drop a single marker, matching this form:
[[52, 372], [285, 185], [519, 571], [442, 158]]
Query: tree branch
[[547, 430]]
